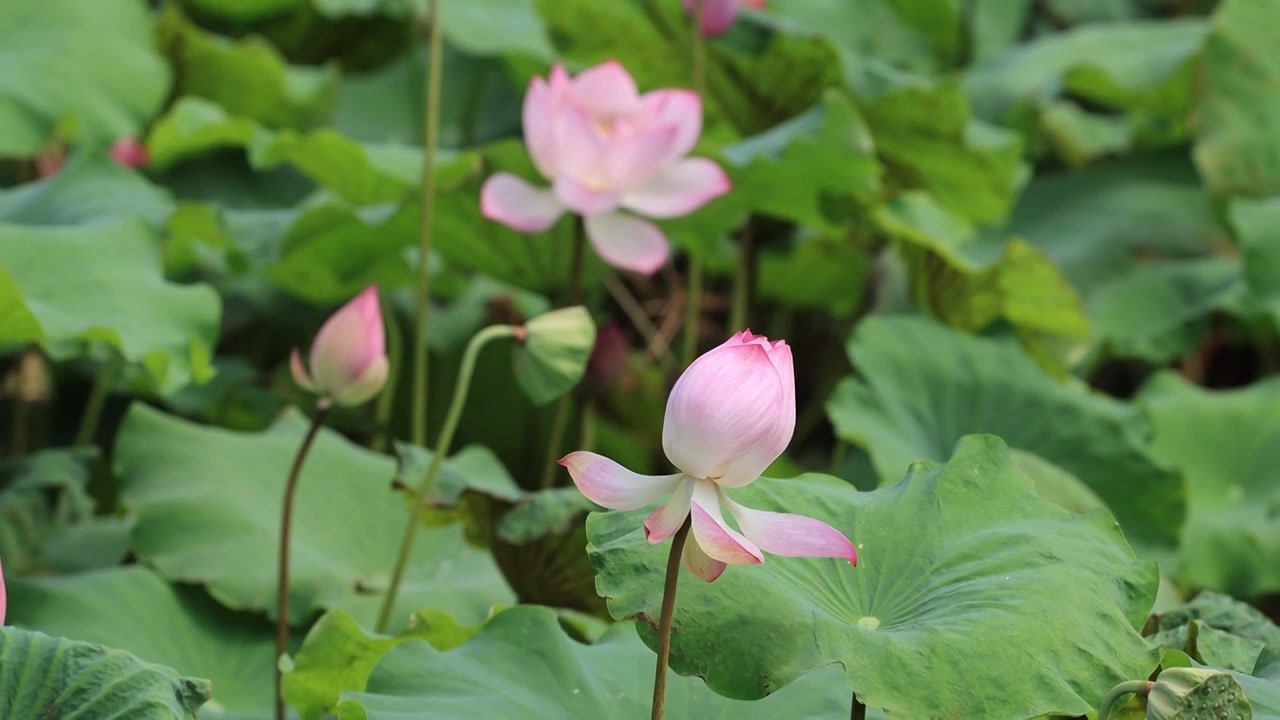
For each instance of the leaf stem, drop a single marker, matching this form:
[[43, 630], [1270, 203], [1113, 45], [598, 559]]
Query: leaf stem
[[742, 283], [693, 311], [286, 529], [423, 493], [664, 620], [857, 711], [97, 399], [1132, 687], [387, 399], [556, 440], [422, 288], [575, 270]]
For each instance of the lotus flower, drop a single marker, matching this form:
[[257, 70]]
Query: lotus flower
[[718, 15], [728, 417], [348, 357], [130, 153], [606, 148]]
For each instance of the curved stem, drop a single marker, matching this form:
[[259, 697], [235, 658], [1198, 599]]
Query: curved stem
[[857, 711], [97, 400], [1132, 687], [387, 399], [423, 493], [664, 620], [422, 289], [286, 529]]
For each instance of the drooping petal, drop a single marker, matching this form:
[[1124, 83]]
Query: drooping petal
[[666, 520], [350, 341], [633, 159], [716, 538], [725, 405], [701, 564], [791, 535], [607, 483], [539, 126], [679, 189], [627, 242], [517, 204], [299, 372], [583, 200], [606, 90], [748, 466], [678, 109]]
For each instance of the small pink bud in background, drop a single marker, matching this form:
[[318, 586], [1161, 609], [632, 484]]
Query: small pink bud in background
[[348, 357], [608, 358], [729, 416], [130, 153], [718, 15], [606, 148]]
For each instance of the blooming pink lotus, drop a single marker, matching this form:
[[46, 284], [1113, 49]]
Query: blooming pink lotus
[[718, 15], [348, 357], [606, 148], [728, 417]]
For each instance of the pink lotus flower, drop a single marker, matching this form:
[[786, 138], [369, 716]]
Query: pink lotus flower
[[728, 417], [718, 15], [348, 357], [606, 148], [130, 153]]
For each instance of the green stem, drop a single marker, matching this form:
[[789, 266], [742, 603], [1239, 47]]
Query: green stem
[[858, 711], [693, 312], [387, 399], [587, 426], [837, 456], [556, 441], [422, 289], [742, 283], [1132, 687], [286, 529], [664, 620], [97, 400], [575, 270], [423, 493]]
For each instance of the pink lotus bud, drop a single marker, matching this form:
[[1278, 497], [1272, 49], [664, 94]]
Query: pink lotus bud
[[729, 416], [130, 153], [608, 149], [348, 357], [718, 15], [608, 358]]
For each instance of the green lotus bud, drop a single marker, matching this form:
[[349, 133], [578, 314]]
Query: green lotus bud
[[1186, 693]]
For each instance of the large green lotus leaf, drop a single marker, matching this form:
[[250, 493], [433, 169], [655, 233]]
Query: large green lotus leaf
[[90, 188], [522, 664], [1237, 118], [965, 577], [922, 387], [1228, 445], [48, 677], [1122, 65], [208, 508], [102, 283], [927, 138], [134, 609], [248, 77], [90, 69], [1257, 227]]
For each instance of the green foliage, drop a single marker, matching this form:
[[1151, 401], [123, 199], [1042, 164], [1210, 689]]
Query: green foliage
[[53, 677], [961, 562]]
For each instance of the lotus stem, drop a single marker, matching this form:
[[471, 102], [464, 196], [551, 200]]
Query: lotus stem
[[1132, 687], [97, 399], [664, 620]]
